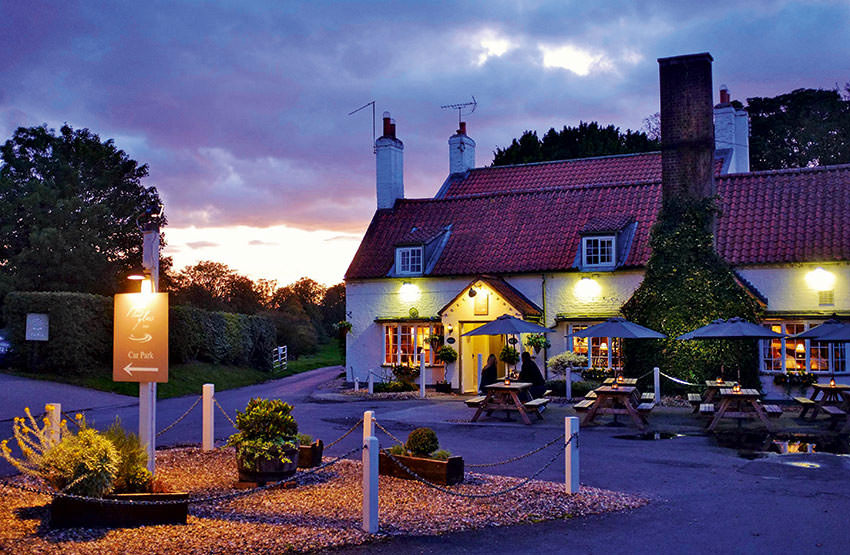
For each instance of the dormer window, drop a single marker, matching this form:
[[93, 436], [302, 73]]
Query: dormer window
[[599, 251], [408, 260]]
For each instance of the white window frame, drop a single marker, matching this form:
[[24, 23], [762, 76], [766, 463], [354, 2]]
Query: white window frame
[[400, 253], [764, 346], [416, 338], [570, 345], [584, 251]]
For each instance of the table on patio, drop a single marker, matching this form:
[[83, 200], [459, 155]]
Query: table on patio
[[829, 395], [741, 404], [506, 397], [712, 387], [626, 381], [616, 400]]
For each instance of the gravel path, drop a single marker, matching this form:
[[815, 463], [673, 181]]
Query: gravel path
[[324, 511]]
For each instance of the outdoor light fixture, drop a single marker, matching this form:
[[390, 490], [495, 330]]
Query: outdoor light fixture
[[472, 292], [409, 292], [615, 385], [719, 380], [587, 289], [450, 328], [820, 280], [736, 388], [147, 286], [620, 379]]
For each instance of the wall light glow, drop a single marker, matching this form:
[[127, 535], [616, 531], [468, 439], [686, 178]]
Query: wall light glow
[[409, 292], [820, 280], [587, 289]]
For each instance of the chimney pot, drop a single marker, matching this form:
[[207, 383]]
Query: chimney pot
[[724, 95], [462, 130], [388, 125]]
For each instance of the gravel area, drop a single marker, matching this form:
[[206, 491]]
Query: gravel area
[[323, 511]]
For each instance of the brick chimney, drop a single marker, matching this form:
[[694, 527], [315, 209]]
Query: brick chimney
[[389, 164], [461, 151], [687, 127], [732, 133]]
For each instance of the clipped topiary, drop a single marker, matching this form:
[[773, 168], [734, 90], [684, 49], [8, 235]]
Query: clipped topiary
[[422, 442]]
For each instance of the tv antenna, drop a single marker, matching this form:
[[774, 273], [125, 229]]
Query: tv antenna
[[372, 104], [461, 107]]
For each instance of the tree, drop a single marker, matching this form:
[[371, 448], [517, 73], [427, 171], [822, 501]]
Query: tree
[[806, 127], [68, 209], [586, 140], [215, 286]]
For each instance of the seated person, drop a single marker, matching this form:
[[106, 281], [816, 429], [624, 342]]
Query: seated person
[[530, 373]]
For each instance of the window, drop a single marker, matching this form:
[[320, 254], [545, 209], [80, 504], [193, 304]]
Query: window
[[408, 260], [598, 251], [403, 343], [605, 352], [783, 355]]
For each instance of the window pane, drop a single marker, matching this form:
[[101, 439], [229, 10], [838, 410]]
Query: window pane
[[390, 343]]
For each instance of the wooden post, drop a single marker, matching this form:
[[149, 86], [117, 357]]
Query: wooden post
[[371, 382], [208, 419], [569, 383], [657, 384], [571, 426], [54, 416], [421, 375], [370, 474]]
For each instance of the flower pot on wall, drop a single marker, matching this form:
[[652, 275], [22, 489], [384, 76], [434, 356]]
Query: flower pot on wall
[[446, 472], [67, 512]]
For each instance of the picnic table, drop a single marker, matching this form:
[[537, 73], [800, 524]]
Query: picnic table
[[506, 397], [618, 400], [707, 398], [741, 404], [626, 381], [830, 396]]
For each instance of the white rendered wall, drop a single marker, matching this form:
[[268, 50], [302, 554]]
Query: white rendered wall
[[787, 291]]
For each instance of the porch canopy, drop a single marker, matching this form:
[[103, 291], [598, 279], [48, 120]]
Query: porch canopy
[[620, 328], [508, 325]]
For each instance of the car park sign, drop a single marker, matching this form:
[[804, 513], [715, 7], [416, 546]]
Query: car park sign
[[140, 346]]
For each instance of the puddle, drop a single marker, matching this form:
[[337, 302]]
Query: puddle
[[750, 443], [650, 436]]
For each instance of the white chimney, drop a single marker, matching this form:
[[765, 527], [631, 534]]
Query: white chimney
[[461, 151], [389, 163], [732, 131]]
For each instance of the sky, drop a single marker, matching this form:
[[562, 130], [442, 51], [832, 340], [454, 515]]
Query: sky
[[240, 109]]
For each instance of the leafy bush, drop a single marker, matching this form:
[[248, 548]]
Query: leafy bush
[[446, 354], [441, 455], [580, 389], [509, 355], [397, 449], [267, 431], [133, 475], [795, 378], [558, 387], [597, 374], [304, 439], [84, 463], [406, 374], [393, 387], [568, 359], [422, 442]]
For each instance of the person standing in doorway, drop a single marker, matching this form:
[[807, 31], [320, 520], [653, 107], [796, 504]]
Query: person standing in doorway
[[488, 374]]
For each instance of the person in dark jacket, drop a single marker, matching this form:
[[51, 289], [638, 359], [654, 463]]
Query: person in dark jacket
[[488, 374], [530, 373]]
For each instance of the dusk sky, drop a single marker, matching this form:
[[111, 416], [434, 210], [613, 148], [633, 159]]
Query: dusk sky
[[240, 108]]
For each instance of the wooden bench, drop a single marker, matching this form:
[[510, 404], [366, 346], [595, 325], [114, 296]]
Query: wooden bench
[[583, 405], [706, 409], [644, 408], [835, 415], [647, 397], [537, 406], [547, 393], [590, 395], [773, 411], [695, 399], [475, 402]]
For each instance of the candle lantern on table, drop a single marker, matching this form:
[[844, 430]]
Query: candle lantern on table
[[736, 388]]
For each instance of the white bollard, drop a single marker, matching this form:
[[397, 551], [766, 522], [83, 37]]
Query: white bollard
[[571, 454], [657, 379], [371, 382], [54, 417], [356, 384], [421, 376], [569, 384], [370, 474], [208, 419]]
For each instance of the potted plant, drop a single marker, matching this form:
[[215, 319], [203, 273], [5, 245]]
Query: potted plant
[[442, 386], [435, 339], [343, 327], [537, 341], [266, 443], [309, 451], [509, 355], [87, 467], [422, 455], [446, 354], [405, 374]]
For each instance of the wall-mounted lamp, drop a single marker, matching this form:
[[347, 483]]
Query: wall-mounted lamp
[[820, 280], [409, 292], [587, 289], [146, 285], [472, 292], [449, 328]]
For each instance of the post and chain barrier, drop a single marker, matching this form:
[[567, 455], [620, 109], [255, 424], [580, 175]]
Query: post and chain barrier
[[224, 412], [346, 434], [518, 457], [181, 417], [386, 431]]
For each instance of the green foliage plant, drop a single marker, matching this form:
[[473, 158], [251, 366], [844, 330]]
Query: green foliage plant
[[538, 341], [441, 455], [687, 285], [509, 355], [421, 442], [133, 475], [404, 373], [393, 387], [304, 439], [398, 449], [267, 432], [446, 354], [559, 363], [85, 463]]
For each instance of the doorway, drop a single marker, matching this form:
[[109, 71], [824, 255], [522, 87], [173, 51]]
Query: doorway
[[471, 347]]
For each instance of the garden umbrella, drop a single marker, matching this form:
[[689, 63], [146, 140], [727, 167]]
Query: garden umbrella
[[733, 328], [831, 330], [619, 327], [508, 325]]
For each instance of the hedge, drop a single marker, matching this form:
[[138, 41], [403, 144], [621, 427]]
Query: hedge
[[81, 334]]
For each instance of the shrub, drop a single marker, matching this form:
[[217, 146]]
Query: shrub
[[267, 431], [132, 475], [304, 439], [580, 389], [397, 449], [558, 387], [441, 455], [406, 374], [422, 442], [84, 463], [509, 355], [568, 359], [597, 374], [446, 354], [393, 387]]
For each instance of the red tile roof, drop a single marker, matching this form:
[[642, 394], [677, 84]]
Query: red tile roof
[[766, 217]]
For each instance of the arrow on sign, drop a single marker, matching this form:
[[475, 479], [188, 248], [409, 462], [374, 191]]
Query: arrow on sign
[[130, 369]]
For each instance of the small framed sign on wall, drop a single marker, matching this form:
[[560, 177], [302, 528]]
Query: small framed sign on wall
[[38, 327]]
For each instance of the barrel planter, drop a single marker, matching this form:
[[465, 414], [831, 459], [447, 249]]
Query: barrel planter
[[446, 472], [310, 456], [67, 512], [270, 471]]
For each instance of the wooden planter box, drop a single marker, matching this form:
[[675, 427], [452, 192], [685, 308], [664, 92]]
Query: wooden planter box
[[443, 387], [67, 512], [446, 473], [310, 456], [269, 471]]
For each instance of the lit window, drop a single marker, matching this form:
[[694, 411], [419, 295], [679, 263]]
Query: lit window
[[791, 355], [598, 251], [408, 260], [404, 343], [605, 352]]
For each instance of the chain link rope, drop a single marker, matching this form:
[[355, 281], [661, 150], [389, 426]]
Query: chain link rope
[[518, 457], [224, 412], [378, 425], [181, 417], [343, 436]]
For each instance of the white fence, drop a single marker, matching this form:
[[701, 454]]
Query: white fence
[[279, 358]]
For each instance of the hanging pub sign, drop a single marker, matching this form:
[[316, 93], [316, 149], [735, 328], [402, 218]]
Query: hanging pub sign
[[140, 342]]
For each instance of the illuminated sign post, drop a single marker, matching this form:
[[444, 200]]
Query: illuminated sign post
[[140, 343]]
